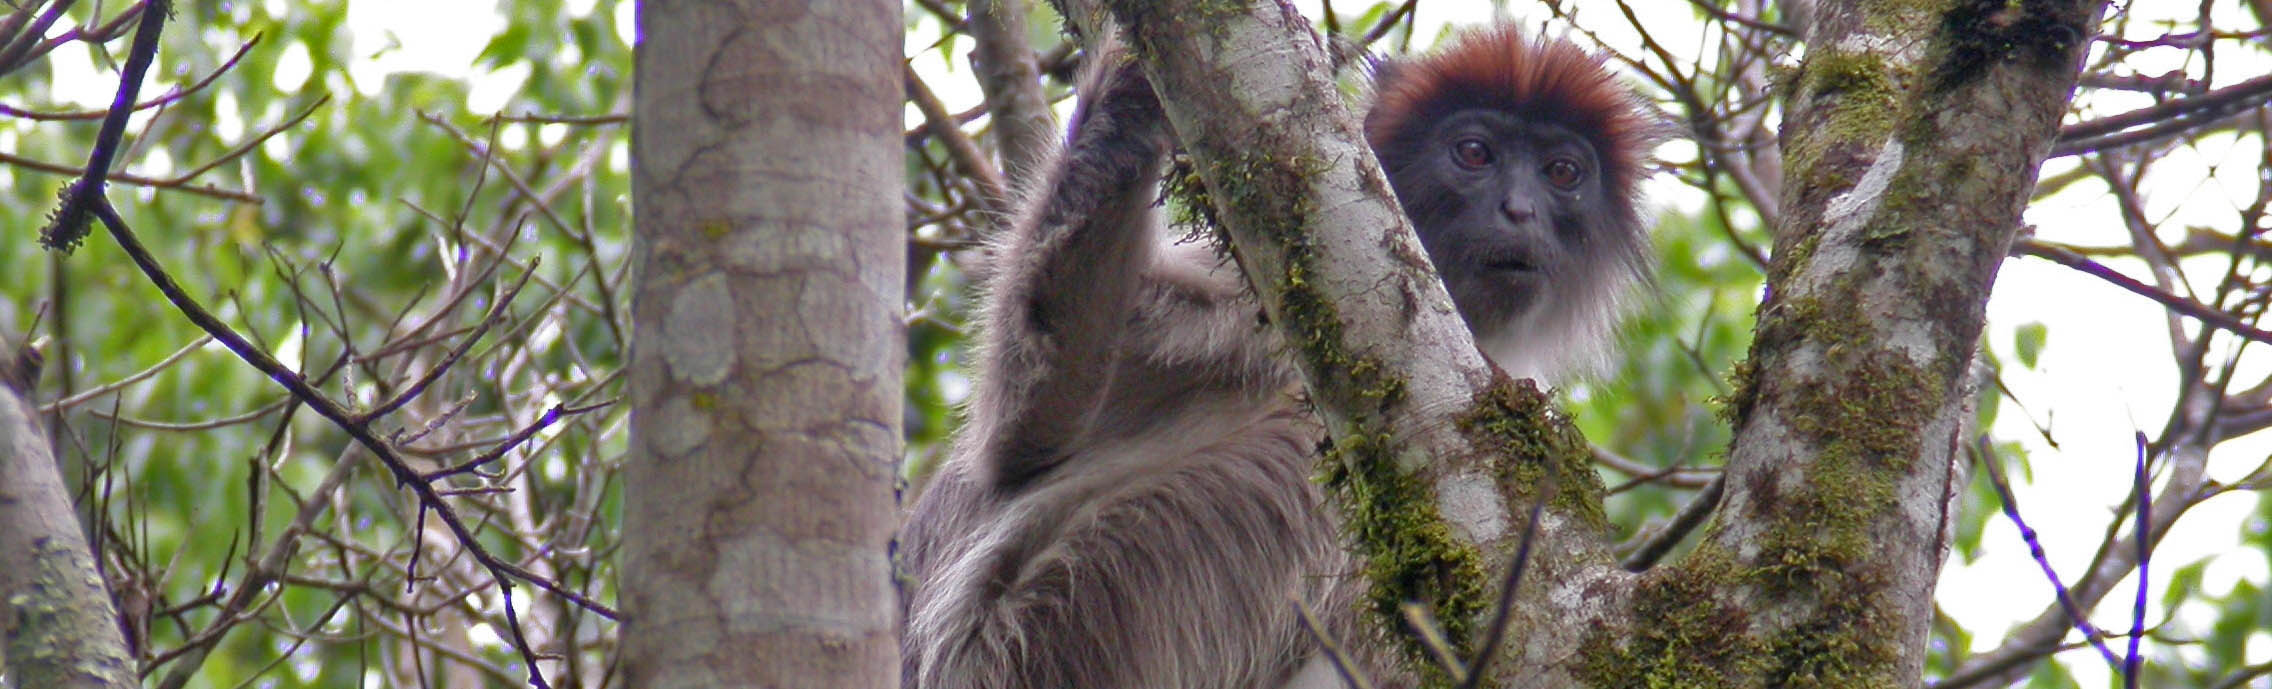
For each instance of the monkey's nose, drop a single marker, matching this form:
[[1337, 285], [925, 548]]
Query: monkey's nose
[[1516, 210]]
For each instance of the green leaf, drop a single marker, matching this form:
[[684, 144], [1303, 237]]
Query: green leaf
[[2027, 341], [507, 48]]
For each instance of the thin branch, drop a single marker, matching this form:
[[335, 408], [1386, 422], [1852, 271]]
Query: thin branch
[[70, 222], [1331, 648], [103, 33], [1431, 636], [1496, 634], [2243, 95], [2218, 319], [429, 498], [191, 426], [433, 373], [2011, 507], [1387, 23], [1023, 129], [18, 51], [175, 95], [247, 147], [967, 157], [578, 120], [550, 417], [133, 179], [138, 376], [542, 202], [1714, 10], [1676, 476], [1690, 516], [2141, 482]]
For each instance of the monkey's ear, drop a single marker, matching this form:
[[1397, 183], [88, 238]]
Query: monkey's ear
[[1382, 70], [1344, 51]]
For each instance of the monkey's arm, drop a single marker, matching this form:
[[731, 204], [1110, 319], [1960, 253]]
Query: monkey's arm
[[1060, 300]]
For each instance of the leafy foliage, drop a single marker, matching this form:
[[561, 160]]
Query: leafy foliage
[[372, 214]]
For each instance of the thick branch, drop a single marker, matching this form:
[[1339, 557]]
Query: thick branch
[[1913, 141], [58, 626], [1007, 74]]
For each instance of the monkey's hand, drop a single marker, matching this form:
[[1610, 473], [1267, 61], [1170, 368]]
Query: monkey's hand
[[1117, 104]]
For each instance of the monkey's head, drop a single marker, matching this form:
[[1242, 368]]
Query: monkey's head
[[1519, 161]]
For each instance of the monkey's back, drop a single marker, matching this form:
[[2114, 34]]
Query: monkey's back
[[1167, 548]]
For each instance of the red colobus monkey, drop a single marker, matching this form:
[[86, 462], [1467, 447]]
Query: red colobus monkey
[[1130, 503]]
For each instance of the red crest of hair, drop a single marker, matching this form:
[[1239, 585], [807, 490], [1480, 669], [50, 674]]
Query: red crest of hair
[[1531, 77]]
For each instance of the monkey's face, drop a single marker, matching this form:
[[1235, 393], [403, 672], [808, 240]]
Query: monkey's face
[[1515, 214]]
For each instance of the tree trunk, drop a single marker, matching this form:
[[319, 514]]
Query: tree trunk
[[1911, 145], [765, 372], [58, 626]]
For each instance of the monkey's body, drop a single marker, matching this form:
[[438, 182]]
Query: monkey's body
[[1130, 502], [1172, 559], [1171, 403]]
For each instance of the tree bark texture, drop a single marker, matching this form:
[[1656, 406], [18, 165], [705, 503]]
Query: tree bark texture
[[1911, 143], [765, 372], [58, 627]]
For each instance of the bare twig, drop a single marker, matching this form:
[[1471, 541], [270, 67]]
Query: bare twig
[[139, 376], [70, 223], [971, 161], [177, 94], [1690, 516], [1496, 634], [429, 498], [1331, 647], [2218, 319]]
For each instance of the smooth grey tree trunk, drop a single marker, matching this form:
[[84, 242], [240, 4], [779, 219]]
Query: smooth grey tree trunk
[[767, 349]]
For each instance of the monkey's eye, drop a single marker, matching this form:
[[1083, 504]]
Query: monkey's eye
[[1563, 173], [1472, 154]]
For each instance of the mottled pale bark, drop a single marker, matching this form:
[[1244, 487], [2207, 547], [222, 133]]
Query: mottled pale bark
[[57, 625], [765, 372]]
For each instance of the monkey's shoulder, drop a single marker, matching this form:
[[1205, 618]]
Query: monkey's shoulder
[[1196, 313]]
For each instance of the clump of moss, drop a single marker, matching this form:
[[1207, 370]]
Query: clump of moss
[[1520, 424], [1872, 410], [1410, 552], [1732, 406], [1190, 208], [1684, 632], [1870, 86]]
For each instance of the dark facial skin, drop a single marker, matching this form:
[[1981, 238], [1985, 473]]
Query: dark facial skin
[[1512, 211]]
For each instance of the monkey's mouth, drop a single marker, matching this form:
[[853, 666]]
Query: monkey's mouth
[[1510, 264]]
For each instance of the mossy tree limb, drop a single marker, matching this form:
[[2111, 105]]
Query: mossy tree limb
[[1912, 140]]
